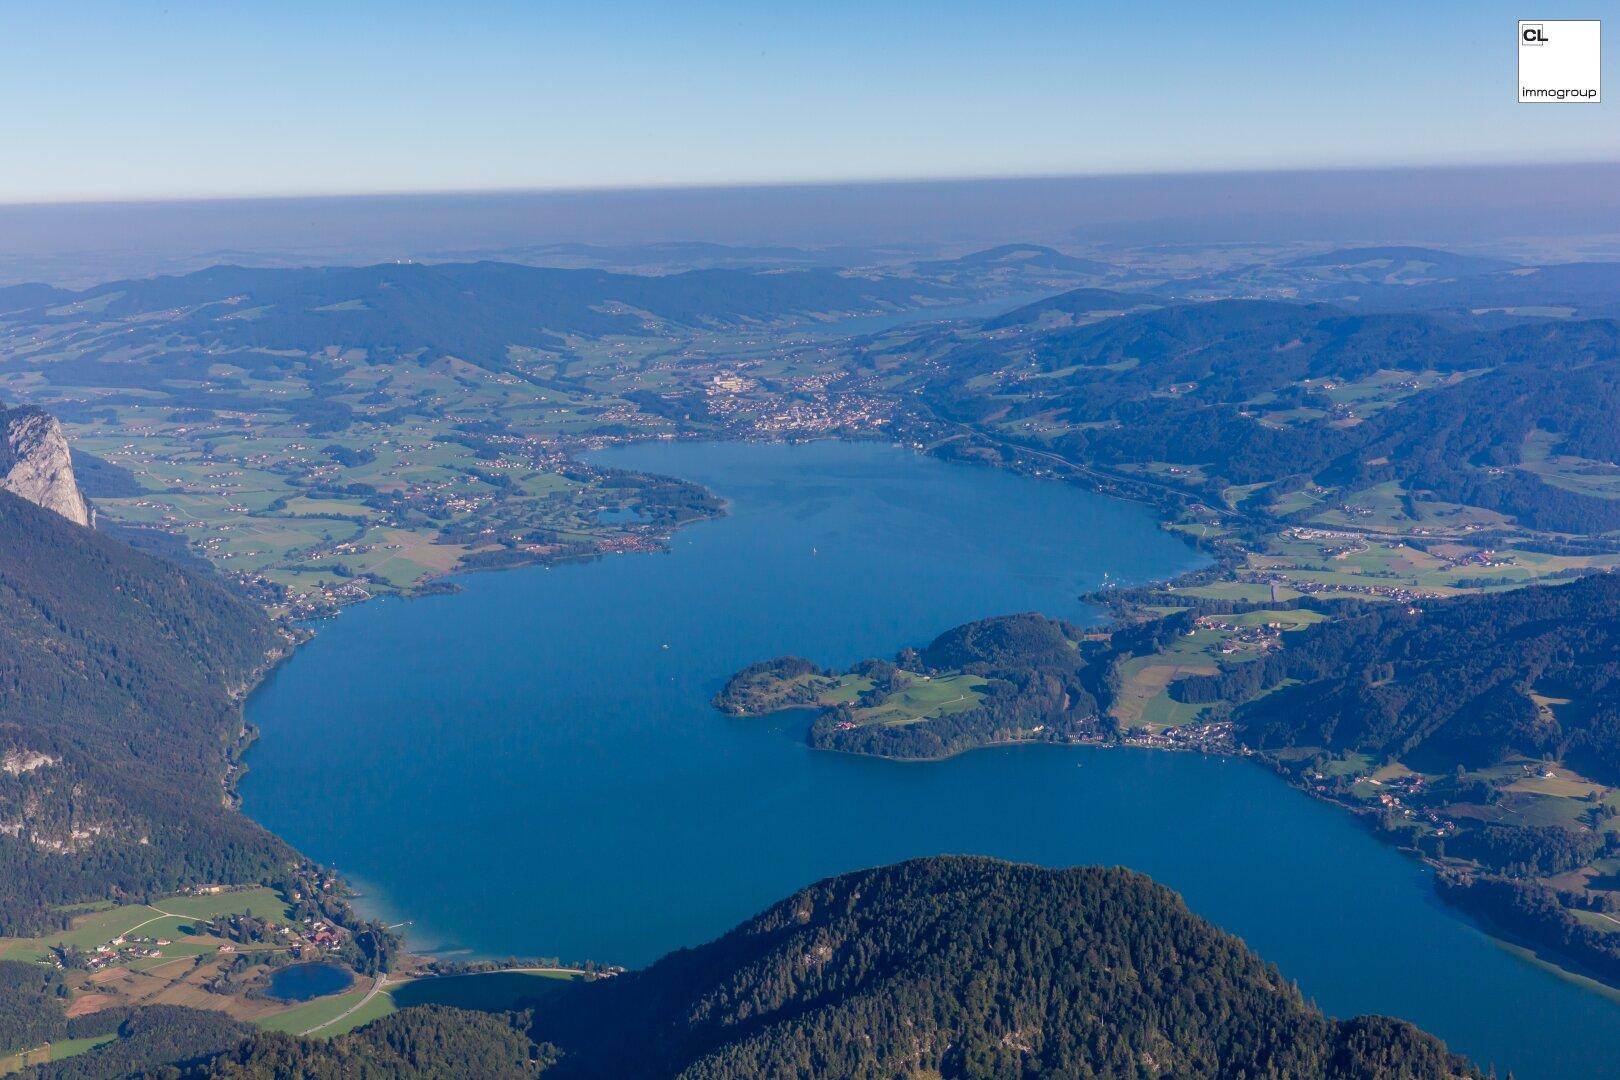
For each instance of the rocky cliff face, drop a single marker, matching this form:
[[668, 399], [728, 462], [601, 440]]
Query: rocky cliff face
[[35, 464]]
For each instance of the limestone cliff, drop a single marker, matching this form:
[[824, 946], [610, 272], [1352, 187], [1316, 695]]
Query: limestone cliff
[[35, 464]]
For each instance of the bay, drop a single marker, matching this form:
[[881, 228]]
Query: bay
[[531, 766]]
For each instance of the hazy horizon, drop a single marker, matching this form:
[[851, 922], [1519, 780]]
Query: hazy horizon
[[176, 136], [195, 100], [1575, 215]]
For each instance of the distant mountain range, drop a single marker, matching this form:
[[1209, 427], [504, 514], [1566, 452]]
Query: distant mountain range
[[475, 311], [1561, 290], [1331, 274], [673, 256], [1398, 264], [1077, 304], [1018, 268], [1417, 279]]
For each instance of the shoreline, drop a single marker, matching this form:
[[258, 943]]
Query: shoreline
[[300, 632], [297, 633], [1564, 964], [1220, 552]]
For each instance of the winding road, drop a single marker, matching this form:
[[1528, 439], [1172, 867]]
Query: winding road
[[376, 988]]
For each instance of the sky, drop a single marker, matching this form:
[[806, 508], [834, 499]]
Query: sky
[[133, 100]]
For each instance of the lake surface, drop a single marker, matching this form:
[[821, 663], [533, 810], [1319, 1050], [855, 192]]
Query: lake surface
[[531, 767], [305, 982]]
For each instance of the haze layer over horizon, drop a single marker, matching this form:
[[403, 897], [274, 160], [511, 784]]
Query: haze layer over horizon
[[191, 100]]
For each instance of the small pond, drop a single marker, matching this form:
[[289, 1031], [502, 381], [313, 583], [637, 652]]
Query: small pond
[[304, 982]]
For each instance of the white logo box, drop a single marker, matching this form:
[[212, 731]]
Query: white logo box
[[1560, 61]]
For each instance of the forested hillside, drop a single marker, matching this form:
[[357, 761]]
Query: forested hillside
[[1342, 272], [1072, 305], [1483, 731], [1271, 396], [118, 717], [1461, 683], [428, 1043], [970, 967], [1036, 684], [948, 966]]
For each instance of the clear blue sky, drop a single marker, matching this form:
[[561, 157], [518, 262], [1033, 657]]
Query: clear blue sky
[[110, 99]]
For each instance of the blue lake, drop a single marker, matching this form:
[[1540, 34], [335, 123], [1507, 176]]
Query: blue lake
[[531, 767], [305, 982]]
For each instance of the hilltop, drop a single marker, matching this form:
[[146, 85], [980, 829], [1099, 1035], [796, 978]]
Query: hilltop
[[948, 966]]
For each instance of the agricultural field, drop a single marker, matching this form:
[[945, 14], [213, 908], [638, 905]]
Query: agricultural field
[[207, 950], [56, 1051], [1143, 700], [1338, 563], [323, 1013], [916, 697], [1359, 398], [324, 476], [330, 479], [1580, 475], [101, 925], [190, 969], [1143, 703], [485, 991], [924, 698]]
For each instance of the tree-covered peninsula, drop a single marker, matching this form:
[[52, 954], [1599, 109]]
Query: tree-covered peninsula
[[1006, 679], [1482, 732]]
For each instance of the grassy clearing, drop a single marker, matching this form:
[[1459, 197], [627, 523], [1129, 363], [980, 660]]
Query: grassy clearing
[[1242, 591], [925, 699], [1162, 711], [378, 1007], [1143, 700], [162, 918], [56, 1051], [1348, 765], [1288, 620], [1580, 475], [309, 1014]]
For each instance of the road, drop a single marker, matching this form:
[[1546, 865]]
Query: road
[[376, 988], [156, 918], [382, 981]]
